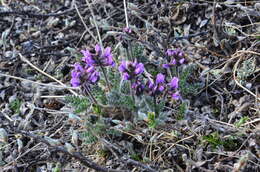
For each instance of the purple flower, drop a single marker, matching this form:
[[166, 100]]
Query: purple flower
[[98, 58], [171, 64], [181, 61], [94, 77], [126, 76], [176, 96], [88, 58], [166, 66], [91, 75], [81, 75], [107, 57], [150, 84], [90, 69], [180, 53], [75, 82], [170, 52], [160, 82], [123, 66], [177, 58], [138, 87], [76, 73], [160, 78], [97, 49], [130, 70], [158, 86], [127, 30], [139, 68], [78, 67], [174, 84]]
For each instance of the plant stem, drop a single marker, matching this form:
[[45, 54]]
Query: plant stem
[[106, 79], [89, 93], [131, 50], [103, 71], [127, 53], [131, 91], [155, 107]]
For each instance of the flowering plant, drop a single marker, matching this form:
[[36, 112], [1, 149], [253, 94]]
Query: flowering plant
[[131, 70], [176, 58], [87, 72], [141, 82], [98, 58]]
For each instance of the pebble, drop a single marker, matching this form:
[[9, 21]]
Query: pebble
[[257, 6], [9, 54], [248, 85]]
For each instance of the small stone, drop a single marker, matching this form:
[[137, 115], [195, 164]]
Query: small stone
[[9, 54], [248, 85], [36, 34], [59, 36], [3, 135], [257, 6], [109, 162]]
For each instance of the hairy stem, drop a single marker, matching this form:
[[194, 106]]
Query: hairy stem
[[155, 107], [106, 79], [85, 86]]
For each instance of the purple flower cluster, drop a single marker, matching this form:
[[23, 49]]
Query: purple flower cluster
[[87, 73], [177, 58], [157, 86], [98, 58], [173, 86], [138, 86], [160, 85], [131, 70]]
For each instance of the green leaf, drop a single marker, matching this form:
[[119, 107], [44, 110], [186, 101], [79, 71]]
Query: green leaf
[[181, 111], [15, 105], [186, 86], [79, 103], [152, 122], [241, 121], [213, 139]]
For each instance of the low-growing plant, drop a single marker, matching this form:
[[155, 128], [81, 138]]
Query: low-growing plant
[[241, 121], [79, 103], [94, 130], [136, 157], [15, 105], [229, 143], [151, 120], [213, 139], [128, 84], [248, 68], [186, 86], [181, 111]]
